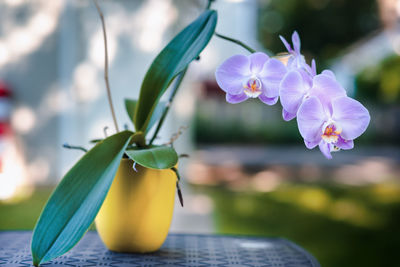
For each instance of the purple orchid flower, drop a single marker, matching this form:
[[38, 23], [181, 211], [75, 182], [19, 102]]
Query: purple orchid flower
[[256, 75], [298, 81], [295, 88], [326, 116], [329, 118]]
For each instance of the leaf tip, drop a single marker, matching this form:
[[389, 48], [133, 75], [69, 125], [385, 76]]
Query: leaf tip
[[35, 261]]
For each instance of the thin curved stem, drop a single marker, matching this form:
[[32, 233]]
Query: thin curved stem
[[248, 48], [106, 65]]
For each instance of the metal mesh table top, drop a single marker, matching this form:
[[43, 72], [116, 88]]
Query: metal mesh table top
[[178, 250]]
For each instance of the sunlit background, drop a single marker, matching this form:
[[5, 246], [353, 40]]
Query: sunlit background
[[248, 172]]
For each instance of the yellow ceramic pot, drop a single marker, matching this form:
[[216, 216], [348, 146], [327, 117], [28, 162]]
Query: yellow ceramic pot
[[137, 212]]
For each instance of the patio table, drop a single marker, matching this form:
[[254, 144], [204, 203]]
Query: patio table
[[178, 250]]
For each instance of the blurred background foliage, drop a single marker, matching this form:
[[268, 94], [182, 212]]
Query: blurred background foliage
[[340, 225], [326, 27], [380, 83]]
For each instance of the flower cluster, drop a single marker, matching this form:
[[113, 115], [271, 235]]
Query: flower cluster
[[326, 116]]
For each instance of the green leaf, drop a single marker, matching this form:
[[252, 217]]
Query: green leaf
[[158, 111], [75, 202], [130, 106], [156, 157], [173, 59], [139, 139]]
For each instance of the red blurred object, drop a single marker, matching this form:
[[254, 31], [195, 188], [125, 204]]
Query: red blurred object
[[5, 118], [5, 129], [5, 91]]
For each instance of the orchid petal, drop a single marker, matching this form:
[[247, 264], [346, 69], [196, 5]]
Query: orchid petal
[[271, 76], [329, 73], [231, 74], [296, 42], [288, 116], [307, 77], [310, 119], [291, 91], [325, 149], [268, 100], [257, 61], [234, 99], [351, 115], [311, 144], [344, 144], [286, 44], [291, 63], [326, 89]]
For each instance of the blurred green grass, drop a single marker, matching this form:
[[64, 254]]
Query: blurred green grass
[[21, 214], [340, 225]]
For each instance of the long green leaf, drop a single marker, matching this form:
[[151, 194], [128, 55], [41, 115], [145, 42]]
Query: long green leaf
[[157, 113], [156, 157], [173, 59], [130, 106], [75, 202]]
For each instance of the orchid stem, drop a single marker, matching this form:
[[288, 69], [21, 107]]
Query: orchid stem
[[106, 65], [248, 48], [171, 98]]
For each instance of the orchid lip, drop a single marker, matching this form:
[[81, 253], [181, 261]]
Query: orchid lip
[[252, 88], [331, 132]]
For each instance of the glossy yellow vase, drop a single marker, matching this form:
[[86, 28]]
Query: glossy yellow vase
[[137, 212]]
